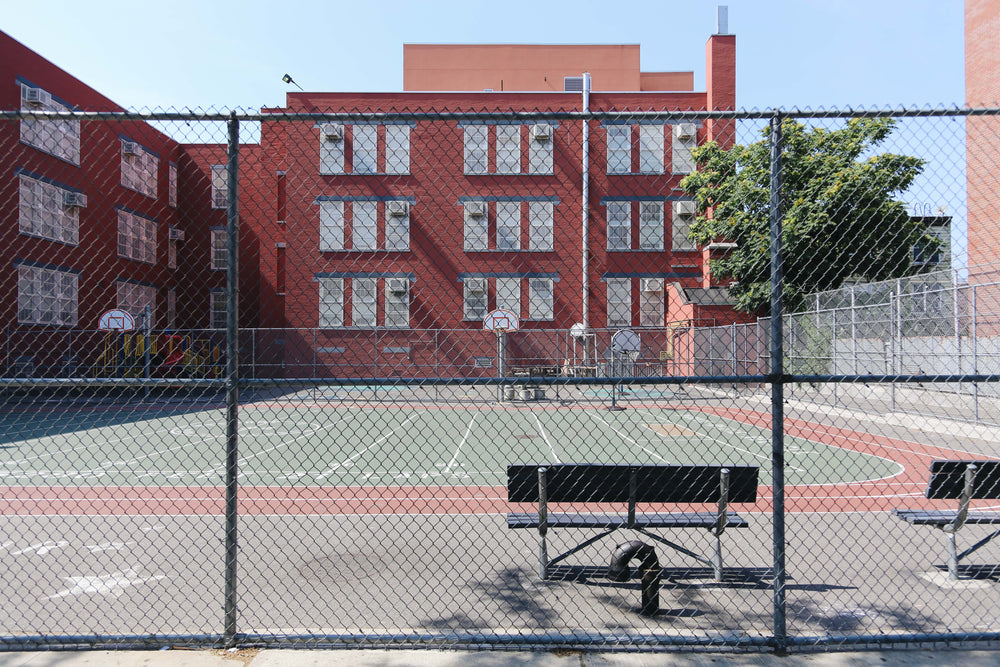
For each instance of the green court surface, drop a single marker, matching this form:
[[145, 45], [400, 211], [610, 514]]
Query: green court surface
[[325, 445]]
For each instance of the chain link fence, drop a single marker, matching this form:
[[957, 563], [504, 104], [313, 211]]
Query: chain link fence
[[495, 378]]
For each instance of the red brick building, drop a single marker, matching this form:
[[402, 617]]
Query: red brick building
[[373, 246]]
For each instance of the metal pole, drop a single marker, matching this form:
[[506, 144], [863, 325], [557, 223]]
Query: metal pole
[[585, 215], [777, 393], [232, 376], [975, 356], [147, 331]]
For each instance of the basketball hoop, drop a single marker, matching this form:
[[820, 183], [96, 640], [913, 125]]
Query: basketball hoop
[[116, 320], [501, 321]]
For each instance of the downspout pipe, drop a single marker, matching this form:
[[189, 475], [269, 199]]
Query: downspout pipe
[[585, 215]]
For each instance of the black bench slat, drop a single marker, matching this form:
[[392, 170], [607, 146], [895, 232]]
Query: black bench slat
[[650, 520], [596, 483], [947, 480], [945, 517]]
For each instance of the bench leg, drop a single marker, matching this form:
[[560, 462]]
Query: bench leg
[[717, 558], [952, 557], [543, 557]]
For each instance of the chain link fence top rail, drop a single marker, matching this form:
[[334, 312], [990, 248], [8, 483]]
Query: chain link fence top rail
[[371, 376]]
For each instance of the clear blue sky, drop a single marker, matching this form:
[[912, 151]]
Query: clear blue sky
[[219, 54]]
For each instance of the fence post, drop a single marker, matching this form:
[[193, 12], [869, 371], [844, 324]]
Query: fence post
[[232, 375], [777, 392]]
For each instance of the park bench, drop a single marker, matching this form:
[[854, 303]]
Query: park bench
[[963, 481], [629, 485]]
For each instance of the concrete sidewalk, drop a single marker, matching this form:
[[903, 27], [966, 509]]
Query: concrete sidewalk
[[436, 658]]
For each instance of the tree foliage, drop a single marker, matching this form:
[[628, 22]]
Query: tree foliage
[[841, 215]]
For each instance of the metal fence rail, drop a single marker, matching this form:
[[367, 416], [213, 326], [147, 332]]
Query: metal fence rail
[[303, 438]]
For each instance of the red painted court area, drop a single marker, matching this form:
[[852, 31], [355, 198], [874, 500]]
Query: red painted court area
[[904, 490]]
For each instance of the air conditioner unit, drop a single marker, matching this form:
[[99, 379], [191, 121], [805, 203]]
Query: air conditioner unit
[[77, 199], [476, 209], [35, 96], [333, 131], [685, 130], [475, 285], [652, 284], [684, 207], [399, 209], [131, 148], [541, 132], [396, 285], [175, 234]]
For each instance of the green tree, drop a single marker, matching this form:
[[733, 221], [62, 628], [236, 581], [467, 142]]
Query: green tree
[[841, 215]]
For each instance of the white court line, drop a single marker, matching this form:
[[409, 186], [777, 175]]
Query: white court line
[[461, 444], [97, 444], [622, 435], [724, 443], [552, 449], [284, 443], [382, 439]]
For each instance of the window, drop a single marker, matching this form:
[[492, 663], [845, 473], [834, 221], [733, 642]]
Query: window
[[46, 296], [508, 149], [363, 234], [651, 149], [365, 225], [331, 225], [619, 139], [685, 139], [476, 229], [331, 303], [509, 225], [134, 297], [217, 310], [49, 211], [136, 237], [171, 308], [139, 168], [619, 225], [509, 295], [171, 254], [475, 306], [651, 302], [619, 302], [397, 225], [683, 216], [397, 149], [540, 223], [364, 302], [540, 149], [476, 149], [367, 145], [220, 186], [172, 184], [651, 225], [397, 303], [60, 138], [365, 149], [540, 298], [219, 260]]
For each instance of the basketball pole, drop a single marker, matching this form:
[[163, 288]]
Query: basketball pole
[[501, 360]]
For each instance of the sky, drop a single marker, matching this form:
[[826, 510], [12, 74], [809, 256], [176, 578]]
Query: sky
[[220, 55]]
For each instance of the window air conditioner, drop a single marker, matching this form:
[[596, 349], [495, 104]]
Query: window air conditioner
[[35, 95], [396, 285], [541, 132], [176, 234], [684, 207], [399, 209], [131, 148], [652, 284], [333, 131], [77, 199], [685, 130], [476, 209]]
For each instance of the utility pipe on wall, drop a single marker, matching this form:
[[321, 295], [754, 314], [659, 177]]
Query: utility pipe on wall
[[585, 216]]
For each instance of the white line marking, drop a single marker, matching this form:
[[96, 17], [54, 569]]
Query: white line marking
[[382, 439], [622, 435], [464, 439], [552, 449]]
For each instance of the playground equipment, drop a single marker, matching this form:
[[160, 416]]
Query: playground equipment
[[170, 355]]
